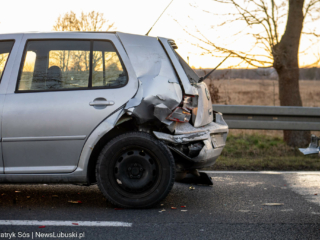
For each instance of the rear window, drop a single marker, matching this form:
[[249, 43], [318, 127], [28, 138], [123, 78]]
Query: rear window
[[5, 49], [192, 76]]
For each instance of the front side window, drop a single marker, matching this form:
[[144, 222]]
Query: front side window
[[5, 49], [70, 64]]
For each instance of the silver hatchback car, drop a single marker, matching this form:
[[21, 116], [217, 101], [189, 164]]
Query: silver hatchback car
[[121, 110]]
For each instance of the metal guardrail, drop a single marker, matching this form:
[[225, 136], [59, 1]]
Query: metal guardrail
[[270, 118]]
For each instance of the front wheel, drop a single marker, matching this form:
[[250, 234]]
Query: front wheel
[[135, 170]]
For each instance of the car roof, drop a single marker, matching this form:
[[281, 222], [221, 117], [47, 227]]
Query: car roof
[[67, 32]]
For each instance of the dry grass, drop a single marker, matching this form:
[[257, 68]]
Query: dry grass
[[262, 92], [263, 152]]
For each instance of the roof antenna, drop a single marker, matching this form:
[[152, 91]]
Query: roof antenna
[[203, 78], [158, 19]]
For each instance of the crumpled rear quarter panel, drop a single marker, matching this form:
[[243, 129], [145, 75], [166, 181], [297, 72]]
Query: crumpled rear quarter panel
[[159, 83]]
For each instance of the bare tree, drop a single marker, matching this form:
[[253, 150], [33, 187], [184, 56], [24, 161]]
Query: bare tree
[[280, 47], [92, 21], [67, 22]]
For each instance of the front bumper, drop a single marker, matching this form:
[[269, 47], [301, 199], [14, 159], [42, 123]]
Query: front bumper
[[213, 136]]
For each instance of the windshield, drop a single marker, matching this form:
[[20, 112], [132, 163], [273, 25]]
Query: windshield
[[192, 76]]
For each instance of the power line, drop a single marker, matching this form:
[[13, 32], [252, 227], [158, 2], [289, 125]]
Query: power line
[[158, 18]]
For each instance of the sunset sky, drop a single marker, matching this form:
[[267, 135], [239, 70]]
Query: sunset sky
[[138, 16]]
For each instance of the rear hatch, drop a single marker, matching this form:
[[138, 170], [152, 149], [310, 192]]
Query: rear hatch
[[197, 94]]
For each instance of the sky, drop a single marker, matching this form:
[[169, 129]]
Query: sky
[[138, 16]]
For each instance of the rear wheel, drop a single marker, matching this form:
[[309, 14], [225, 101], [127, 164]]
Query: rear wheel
[[135, 170]]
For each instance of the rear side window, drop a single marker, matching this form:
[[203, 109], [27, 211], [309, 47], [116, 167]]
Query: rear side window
[[70, 64], [107, 67], [74, 66], [5, 49]]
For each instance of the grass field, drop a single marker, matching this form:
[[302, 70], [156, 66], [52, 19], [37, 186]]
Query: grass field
[[263, 152], [262, 92], [262, 149]]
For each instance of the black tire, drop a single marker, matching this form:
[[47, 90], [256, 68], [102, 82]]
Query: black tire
[[135, 170]]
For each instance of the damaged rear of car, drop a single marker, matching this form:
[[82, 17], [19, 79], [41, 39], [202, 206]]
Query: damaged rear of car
[[120, 110], [170, 96], [173, 106]]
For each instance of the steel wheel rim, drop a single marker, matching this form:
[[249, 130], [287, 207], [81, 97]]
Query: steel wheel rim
[[135, 172]]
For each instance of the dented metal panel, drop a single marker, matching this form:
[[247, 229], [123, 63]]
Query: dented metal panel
[[207, 156], [309, 150], [313, 146], [185, 128], [208, 152], [161, 111], [185, 138], [158, 81]]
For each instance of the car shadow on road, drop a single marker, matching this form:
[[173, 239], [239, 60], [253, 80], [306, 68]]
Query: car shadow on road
[[57, 196], [46, 195]]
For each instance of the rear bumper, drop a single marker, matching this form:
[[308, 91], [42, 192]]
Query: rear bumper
[[213, 136], [207, 157]]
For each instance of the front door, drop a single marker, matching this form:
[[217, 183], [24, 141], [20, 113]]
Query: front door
[[65, 88]]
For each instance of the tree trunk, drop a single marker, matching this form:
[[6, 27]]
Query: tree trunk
[[286, 63]]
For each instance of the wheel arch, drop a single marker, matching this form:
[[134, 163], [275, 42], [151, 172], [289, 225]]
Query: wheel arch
[[119, 128]]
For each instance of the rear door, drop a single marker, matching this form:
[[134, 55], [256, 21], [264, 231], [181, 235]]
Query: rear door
[[67, 84], [6, 52]]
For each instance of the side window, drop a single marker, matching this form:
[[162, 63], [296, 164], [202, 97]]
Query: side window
[[74, 65], [108, 70], [67, 64], [5, 49], [55, 65]]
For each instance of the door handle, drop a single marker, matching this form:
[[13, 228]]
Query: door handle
[[101, 102]]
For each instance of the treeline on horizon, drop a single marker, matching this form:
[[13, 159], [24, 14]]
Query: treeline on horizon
[[257, 74]]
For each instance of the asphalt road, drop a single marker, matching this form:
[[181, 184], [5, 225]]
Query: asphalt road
[[230, 209]]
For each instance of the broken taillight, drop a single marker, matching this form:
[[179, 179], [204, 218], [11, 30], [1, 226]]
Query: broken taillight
[[190, 102], [180, 115]]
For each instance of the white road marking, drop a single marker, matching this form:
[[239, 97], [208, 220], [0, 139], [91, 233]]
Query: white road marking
[[264, 172], [287, 210], [244, 211], [65, 223], [316, 213]]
